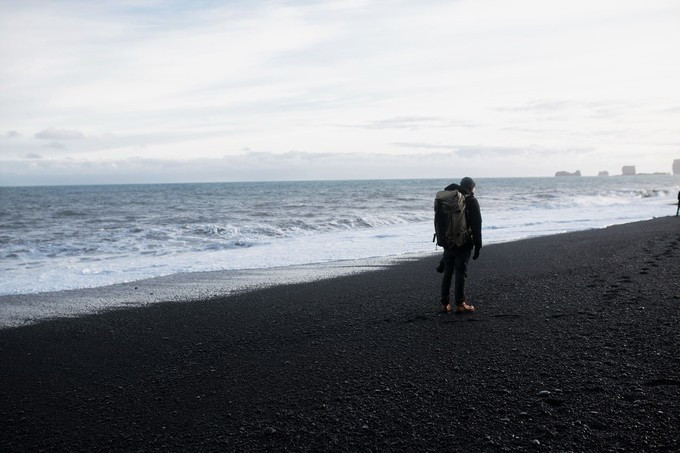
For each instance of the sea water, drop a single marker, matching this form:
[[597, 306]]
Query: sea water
[[69, 237]]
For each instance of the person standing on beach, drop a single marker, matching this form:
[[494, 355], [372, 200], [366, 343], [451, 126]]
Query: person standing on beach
[[456, 259], [677, 211]]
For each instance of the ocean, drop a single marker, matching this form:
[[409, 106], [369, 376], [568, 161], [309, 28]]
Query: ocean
[[70, 237]]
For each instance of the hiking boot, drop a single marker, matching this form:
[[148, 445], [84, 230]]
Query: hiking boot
[[463, 307], [446, 308], [440, 266]]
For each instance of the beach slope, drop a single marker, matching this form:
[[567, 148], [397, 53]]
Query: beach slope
[[574, 347]]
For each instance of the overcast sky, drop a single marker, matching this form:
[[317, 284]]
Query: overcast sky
[[182, 91]]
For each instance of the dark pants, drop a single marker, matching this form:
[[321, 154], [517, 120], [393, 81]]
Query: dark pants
[[455, 261]]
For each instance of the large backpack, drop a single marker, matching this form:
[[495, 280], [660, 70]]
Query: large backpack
[[450, 222]]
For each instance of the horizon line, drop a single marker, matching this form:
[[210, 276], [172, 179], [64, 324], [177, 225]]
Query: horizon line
[[327, 180]]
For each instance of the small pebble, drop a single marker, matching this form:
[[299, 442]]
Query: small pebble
[[269, 431], [544, 393], [536, 442]]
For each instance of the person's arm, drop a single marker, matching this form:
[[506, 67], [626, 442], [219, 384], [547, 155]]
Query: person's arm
[[475, 222]]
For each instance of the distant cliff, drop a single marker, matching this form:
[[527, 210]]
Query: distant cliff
[[566, 173], [676, 167], [628, 170], [603, 173]]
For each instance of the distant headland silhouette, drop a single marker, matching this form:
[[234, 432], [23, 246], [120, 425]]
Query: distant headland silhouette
[[626, 170]]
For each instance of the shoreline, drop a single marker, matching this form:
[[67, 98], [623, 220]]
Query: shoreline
[[65, 248], [18, 310], [24, 309], [573, 347]]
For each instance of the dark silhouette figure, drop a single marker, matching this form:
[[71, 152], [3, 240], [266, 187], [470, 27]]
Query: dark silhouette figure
[[456, 259], [677, 211]]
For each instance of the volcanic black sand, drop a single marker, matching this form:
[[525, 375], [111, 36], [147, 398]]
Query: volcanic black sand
[[575, 346]]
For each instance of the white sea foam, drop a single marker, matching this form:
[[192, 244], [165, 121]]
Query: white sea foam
[[86, 237]]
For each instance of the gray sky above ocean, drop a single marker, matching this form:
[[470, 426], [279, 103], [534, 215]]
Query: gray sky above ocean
[[149, 91]]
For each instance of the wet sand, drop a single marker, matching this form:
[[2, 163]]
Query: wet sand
[[573, 347]]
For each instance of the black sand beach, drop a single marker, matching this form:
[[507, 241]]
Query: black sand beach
[[574, 347]]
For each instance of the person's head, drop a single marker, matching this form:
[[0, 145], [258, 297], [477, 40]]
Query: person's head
[[468, 183]]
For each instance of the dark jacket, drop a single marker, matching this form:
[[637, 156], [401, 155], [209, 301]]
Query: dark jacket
[[473, 214]]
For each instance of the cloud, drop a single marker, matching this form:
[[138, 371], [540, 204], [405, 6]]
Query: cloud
[[598, 109], [482, 151], [543, 106], [252, 166], [55, 145], [673, 109], [201, 79], [59, 134], [421, 145], [33, 156], [294, 165], [412, 123], [11, 134], [609, 110]]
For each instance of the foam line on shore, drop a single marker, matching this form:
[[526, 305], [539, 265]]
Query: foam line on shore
[[24, 309]]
